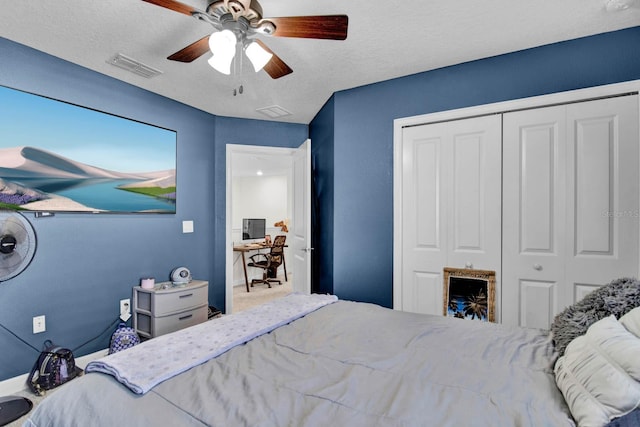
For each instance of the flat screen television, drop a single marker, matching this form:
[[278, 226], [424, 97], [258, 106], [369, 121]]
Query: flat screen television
[[60, 157], [253, 228]]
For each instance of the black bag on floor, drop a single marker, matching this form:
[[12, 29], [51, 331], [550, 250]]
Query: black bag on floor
[[55, 366]]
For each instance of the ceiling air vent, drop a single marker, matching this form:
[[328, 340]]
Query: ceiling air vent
[[274, 111], [136, 67]]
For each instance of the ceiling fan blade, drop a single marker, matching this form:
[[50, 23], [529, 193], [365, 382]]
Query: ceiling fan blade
[[176, 6], [276, 67], [332, 27], [192, 52]]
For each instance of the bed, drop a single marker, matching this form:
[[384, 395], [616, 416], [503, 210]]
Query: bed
[[317, 362]]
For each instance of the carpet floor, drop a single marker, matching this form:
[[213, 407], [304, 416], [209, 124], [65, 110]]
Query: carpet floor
[[259, 294]]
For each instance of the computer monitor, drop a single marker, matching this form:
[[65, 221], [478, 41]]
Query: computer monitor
[[253, 228]]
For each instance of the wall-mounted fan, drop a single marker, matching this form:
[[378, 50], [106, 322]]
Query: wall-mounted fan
[[17, 244], [239, 22], [17, 247]]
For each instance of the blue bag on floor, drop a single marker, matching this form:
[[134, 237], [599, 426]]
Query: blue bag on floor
[[123, 338]]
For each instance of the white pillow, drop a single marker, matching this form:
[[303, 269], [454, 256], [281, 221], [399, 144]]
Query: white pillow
[[599, 373], [631, 321]]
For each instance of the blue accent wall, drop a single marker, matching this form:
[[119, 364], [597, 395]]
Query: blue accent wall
[[358, 156], [322, 151], [85, 263]]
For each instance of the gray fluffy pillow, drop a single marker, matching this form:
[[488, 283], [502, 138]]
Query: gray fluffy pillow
[[617, 298]]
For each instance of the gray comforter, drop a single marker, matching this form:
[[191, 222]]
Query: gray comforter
[[346, 364]]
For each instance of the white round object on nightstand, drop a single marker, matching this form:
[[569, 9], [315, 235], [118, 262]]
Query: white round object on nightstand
[[180, 276]]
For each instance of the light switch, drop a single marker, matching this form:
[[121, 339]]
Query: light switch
[[187, 226]]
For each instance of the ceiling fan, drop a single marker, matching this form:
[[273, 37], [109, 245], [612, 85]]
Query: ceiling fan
[[239, 22]]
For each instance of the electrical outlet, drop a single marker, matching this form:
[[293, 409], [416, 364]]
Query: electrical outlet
[[125, 309], [39, 324]]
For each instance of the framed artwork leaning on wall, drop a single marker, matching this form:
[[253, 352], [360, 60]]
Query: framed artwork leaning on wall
[[469, 294]]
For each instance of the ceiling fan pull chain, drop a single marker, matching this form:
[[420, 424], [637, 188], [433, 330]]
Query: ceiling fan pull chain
[[239, 55], [237, 69]]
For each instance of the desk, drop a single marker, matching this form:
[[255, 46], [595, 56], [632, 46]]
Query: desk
[[248, 247]]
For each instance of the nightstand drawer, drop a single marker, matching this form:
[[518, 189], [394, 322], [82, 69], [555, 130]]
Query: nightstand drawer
[[178, 300], [166, 324]]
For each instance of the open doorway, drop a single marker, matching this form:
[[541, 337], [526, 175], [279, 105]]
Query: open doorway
[[259, 186]]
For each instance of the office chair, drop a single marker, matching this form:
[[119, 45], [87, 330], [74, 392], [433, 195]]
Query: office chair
[[269, 263]]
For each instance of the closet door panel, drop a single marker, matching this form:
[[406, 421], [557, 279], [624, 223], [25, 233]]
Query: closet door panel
[[451, 205], [570, 218], [424, 219], [427, 192], [474, 189], [539, 303], [533, 215], [467, 193], [537, 189], [426, 293], [603, 211], [580, 290], [593, 187]]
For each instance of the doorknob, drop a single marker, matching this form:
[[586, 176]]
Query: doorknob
[[537, 267], [306, 249], [468, 265]]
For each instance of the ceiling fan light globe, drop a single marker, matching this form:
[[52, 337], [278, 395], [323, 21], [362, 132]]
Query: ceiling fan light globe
[[223, 46], [223, 43], [221, 63], [258, 56]]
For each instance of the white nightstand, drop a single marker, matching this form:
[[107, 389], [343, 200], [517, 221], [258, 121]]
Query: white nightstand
[[160, 311]]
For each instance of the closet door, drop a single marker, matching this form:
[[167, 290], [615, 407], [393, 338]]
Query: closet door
[[451, 205], [533, 236], [570, 197], [602, 190]]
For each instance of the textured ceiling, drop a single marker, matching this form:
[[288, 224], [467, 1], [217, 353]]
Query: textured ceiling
[[385, 40]]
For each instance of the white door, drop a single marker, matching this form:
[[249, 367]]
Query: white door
[[570, 205], [602, 182], [534, 186], [450, 205], [300, 234]]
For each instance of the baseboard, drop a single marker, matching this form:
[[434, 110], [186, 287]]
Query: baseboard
[[19, 383]]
